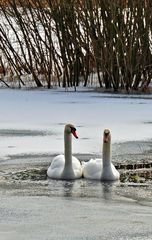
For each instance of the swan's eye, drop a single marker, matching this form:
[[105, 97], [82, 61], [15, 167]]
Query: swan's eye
[[73, 131]]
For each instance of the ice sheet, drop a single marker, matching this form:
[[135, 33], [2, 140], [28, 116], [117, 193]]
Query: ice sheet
[[47, 111]]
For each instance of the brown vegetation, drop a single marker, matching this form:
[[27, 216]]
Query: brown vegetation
[[67, 41]]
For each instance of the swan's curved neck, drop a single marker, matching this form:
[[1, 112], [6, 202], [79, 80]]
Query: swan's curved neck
[[68, 148], [106, 153]]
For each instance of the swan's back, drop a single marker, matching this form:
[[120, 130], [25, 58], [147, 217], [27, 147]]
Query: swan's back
[[57, 170], [77, 167], [92, 169], [110, 173]]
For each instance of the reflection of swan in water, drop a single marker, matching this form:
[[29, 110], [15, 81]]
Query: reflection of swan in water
[[68, 188], [107, 189], [74, 188], [102, 169], [97, 189], [66, 167]]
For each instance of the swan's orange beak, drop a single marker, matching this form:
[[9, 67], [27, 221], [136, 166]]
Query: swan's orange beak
[[74, 133]]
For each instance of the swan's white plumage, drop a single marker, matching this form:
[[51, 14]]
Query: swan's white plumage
[[56, 168], [102, 169], [110, 173], [92, 169], [66, 166]]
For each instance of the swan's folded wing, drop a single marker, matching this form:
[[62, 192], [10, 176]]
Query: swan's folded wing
[[92, 169], [77, 167], [115, 172], [76, 163], [56, 167], [110, 173]]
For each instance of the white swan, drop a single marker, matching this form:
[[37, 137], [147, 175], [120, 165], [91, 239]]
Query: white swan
[[66, 166], [102, 169]]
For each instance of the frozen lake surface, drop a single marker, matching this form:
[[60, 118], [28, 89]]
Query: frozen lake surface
[[33, 121], [70, 218], [73, 210], [31, 133]]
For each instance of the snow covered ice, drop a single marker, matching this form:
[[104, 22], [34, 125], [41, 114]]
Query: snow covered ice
[[33, 121]]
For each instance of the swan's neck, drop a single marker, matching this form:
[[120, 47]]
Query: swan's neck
[[106, 154], [68, 149]]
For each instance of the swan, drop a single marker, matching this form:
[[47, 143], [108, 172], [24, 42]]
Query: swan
[[66, 166], [102, 169]]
